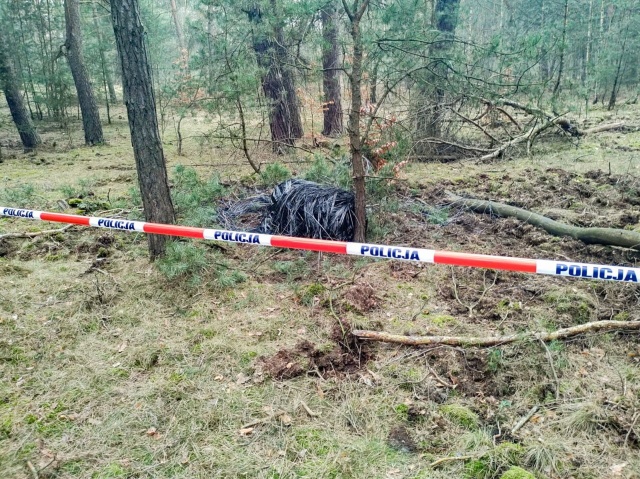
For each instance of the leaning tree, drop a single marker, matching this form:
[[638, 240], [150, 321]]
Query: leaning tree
[[19, 113]]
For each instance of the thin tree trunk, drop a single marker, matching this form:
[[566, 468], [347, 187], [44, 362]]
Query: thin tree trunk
[[176, 21], [355, 141], [563, 47], [614, 90], [373, 83], [29, 70], [143, 122], [277, 82], [88, 105], [430, 114], [19, 113], [332, 108], [106, 71]]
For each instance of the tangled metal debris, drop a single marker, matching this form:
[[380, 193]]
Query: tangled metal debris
[[297, 208]]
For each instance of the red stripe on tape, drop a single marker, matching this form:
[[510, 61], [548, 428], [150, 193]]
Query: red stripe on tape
[[172, 230], [61, 218], [326, 246], [482, 261]]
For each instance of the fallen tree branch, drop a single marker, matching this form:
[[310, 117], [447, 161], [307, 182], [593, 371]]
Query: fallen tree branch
[[563, 123], [528, 137], [34, 233], [601, 128], [604, 236], [496, 340]]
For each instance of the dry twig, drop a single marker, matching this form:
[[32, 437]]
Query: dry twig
[[496, 340], [33, 234], [525, 419]]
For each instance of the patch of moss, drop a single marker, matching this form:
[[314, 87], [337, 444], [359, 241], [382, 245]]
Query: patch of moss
[[622, 316], [402, 410], [461, 415], [310, 292], [443, 320], [515, 472], [578, 306]]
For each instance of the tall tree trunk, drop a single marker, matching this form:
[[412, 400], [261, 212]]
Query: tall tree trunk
[[563, 47], [106, 71], [373, 82], [355, 142], [332, 108], [614, 90], [277, 82], [143, 122], [88, 105], [176, 21], [431, 111], [23, 41], [19, 113]]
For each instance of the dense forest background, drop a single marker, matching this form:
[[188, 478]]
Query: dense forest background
[[423, 65]]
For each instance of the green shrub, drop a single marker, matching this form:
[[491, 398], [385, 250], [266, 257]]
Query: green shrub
[[191, 263], [21, 196], [194, 198], [274, 173], [184, 259], [336, 174]]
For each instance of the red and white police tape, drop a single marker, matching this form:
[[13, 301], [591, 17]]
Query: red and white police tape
[[555, 268]]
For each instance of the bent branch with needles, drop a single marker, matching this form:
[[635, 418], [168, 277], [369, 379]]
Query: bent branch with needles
[[497, 340]]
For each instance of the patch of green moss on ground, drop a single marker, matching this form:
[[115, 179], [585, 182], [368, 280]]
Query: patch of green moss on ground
[[461, 415], [516, 472]]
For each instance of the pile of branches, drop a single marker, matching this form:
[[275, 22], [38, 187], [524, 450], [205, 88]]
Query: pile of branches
[[535, 123]]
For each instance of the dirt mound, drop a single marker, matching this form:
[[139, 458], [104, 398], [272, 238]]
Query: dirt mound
[[345, 357], [362, 297]]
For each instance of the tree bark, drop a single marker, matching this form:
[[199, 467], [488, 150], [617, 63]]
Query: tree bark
[[19, 113], [88, 105], [355, 141], [278, 83], [497, 340], [604, 236], [143, 122], [332, 108]]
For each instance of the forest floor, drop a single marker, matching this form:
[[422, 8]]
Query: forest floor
[[112, 367]]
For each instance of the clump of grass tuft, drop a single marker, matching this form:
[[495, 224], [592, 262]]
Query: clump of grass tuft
[[546, 455], [586, 417]]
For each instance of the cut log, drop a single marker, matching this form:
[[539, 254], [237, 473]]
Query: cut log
[[497, 340], [603, 236]]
